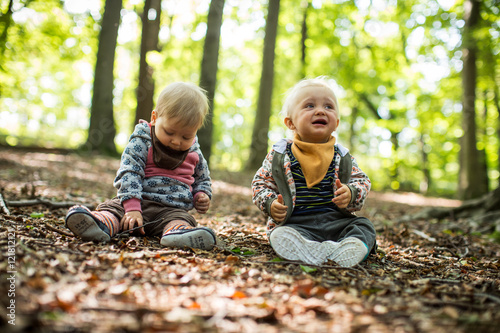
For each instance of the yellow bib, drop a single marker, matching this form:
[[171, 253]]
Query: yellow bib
[[314, 158]]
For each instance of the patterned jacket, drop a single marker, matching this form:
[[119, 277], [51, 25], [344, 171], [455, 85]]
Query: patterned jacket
[[139, 178], [275, 177]]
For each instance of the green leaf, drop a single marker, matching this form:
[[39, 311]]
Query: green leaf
[[277, 259], [244, 252], [37, 215], [308, 269], [236, 250]]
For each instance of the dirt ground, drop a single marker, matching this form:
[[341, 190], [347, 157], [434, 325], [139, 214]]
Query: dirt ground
[[427, 276]]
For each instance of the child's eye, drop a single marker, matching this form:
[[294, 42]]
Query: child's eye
[[329, 107], [309, 106]]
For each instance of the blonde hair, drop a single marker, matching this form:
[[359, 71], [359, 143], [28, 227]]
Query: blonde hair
[[291, 95], [184, 101]]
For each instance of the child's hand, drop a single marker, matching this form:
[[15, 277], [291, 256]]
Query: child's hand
[[278, 209], [130, 219], [342, 195], [202, 203]]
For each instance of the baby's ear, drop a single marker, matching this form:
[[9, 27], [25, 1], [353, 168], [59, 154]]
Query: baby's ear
[[153, 117], [338, 122], [289, 123]]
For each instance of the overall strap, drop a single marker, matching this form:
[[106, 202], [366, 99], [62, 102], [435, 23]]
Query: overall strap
[[281, 182], [345, 168]]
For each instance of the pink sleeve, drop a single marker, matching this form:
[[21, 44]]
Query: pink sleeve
[[132, 205]]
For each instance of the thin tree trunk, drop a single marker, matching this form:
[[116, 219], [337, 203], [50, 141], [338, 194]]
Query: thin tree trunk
[[497, 105], [496, 102], [483, 157], [303, 42], [209, 66], [258, 147], [149, 42], [6, 20], [470, 171], [102, 126], [426, 182], [352, 129]]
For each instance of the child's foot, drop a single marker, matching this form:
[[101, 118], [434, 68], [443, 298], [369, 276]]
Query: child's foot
[[83, 224], [186, 236], [349, 252], [290, 244]]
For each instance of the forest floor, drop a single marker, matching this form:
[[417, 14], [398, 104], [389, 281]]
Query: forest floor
[[427, 276]]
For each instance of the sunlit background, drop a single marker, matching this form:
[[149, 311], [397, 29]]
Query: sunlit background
[[405, 55]]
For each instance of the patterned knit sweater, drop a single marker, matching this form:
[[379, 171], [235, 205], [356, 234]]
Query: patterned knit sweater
[[139, 178]]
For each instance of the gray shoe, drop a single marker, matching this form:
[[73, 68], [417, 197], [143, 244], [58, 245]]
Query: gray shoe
[[289, 244], [84, 225], [349, 252], [183, 236]]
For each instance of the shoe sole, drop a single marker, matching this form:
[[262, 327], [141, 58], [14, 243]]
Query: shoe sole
[[199, 238], [350, 252], [84, 226], [289, 244]]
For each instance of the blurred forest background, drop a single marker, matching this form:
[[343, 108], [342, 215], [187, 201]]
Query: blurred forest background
[[417, 80]]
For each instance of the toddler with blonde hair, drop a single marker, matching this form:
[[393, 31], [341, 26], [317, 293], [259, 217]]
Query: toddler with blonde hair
[[162, 176]]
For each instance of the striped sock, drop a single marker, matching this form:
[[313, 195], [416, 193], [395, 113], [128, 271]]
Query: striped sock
[[175, 227], [109, 219]]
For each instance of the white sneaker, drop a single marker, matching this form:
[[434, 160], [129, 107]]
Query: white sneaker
[[289, 244], [349, 252]]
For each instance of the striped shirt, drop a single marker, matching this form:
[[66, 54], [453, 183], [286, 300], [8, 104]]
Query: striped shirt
[[317, 198]]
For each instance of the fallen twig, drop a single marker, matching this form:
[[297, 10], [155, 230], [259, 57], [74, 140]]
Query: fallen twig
[[461, 305], [490, 297], [436, 280], [63, 232], [48, 203], [424, 235], [3, 205]]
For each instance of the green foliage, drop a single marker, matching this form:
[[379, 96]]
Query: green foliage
[[495, 236], [308, 269], [396, 66], [241, 251]]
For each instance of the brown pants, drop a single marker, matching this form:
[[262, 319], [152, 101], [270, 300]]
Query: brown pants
[[151, 211]]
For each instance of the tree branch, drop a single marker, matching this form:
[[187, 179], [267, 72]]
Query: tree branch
[[48, 203]]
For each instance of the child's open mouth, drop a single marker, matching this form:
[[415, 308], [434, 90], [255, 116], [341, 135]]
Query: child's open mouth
[[320, 122]]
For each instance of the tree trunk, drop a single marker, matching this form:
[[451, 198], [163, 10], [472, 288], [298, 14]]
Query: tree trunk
[[482, 154], [208, 78], [496, 101], [303, 41], [352, 129], [426, 182], [149, 42], [497, 104], [102, 126], [6, 20], [470, 171], [258, 147]]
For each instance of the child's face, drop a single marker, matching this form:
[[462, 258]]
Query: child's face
[[314, 115], [172, 134]]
